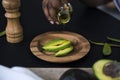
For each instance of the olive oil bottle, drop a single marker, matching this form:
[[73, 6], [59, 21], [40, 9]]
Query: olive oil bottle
[[65, 13]]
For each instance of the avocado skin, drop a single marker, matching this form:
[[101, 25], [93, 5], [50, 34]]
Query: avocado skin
[[56, 45], [75, 74], [64, 52], [98, 70]]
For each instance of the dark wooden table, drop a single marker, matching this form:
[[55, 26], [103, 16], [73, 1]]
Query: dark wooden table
[[47, 73], [90, 22]]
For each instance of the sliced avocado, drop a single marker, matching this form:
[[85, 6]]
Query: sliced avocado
[[104, 69], [54, 42], [57, 45], [64, 51]]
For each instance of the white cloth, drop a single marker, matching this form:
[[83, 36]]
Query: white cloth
[[17, 73], [117, 4], [112, 12]]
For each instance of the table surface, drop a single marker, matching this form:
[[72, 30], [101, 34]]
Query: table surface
[[47, 73], [92, 23]]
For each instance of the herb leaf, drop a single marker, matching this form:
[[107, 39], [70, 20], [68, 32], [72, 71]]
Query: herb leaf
[[2, 33], [107, 49], [102, 44], [97, 43], [113, 39], [115, 45]]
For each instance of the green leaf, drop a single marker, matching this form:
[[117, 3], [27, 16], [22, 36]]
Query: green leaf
[[97, 43], [2, 33], [114, 45], [113, 39], [107, 49], [102, 44]]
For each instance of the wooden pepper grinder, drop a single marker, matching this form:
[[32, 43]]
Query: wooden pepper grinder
[[14, 31]]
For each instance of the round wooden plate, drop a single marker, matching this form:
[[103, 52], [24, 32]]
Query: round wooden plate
[[81, 46]]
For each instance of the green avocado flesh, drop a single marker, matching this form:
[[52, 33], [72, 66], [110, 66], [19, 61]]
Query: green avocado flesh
[[64, 51], [54, 42], [61, 47], [57, 45], [99, 68]]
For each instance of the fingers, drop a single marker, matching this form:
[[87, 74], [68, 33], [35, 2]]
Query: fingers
[[50, 8], [64, 1], [46, 12], [53, 13], [56, 3]]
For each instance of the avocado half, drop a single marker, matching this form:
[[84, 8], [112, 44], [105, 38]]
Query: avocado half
[[99, 68]]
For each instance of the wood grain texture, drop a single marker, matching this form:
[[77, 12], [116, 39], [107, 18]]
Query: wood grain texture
[[14, 30], [55, 73], [81, 46]]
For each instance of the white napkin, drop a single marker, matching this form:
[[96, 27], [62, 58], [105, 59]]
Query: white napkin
[[17, 73], [114, 13]]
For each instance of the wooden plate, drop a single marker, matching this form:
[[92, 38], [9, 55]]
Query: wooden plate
[[81, 46]]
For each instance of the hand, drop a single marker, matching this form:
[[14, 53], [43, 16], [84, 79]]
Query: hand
[[50, 8]]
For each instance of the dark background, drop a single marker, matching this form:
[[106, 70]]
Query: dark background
[[91, 23]]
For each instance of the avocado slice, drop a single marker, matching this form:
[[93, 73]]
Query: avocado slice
[[105, 69], [64, 51], [54, 42], [56, 45]]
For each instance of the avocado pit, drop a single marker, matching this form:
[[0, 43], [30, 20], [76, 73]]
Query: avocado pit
[[112, 69]]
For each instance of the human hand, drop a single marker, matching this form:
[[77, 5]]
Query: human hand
[[51, 7]]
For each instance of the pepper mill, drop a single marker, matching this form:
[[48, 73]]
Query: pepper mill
[[14, 30]]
